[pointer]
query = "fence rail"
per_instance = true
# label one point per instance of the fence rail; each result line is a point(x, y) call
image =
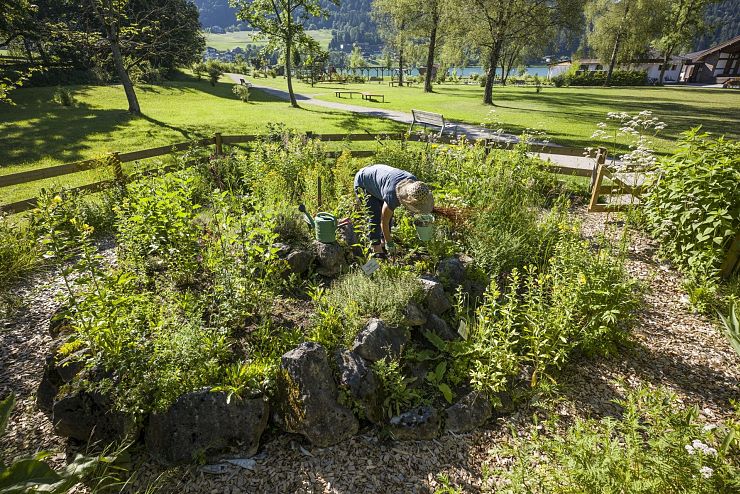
point(114, 160)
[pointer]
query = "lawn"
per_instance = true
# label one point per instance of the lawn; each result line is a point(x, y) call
point(229, 41)
point(38, 132)
point(567, 115)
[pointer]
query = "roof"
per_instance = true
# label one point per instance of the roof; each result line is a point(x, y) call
point(698, 55)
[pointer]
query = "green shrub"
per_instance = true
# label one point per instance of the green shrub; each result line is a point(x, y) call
point(241, 91)
point(580, 301)
point(619, 78)
point(19, 255)
point(656, 446)
point(693, 209)
point(346, 306)
point(156, 226)
point(64, 96)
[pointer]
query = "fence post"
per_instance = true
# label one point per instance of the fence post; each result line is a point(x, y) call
point(117, 168)
point(600, 160)
point(318, 184)
point(219, 144)
point(600, 171)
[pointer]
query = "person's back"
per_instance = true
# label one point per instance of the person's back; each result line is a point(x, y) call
point(380, 181)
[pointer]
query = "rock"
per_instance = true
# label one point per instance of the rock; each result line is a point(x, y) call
point(203, 423)
point(356, 375)
point(330, 258)
point(56, 374)
point(346, 233)
point(89, 416)
point(452, 271)
point(439, 326)
point(306, 401)
point(282, 249)
point(413, 315)
point(60, 323)
point(435, 298)
point(378, 341)
point(299, 261)
point(471, 411)
point(507, 405)
point(421, 423)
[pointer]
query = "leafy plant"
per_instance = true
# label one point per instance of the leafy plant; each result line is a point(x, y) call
point(731, 325)
point(241, 91)
point(398, 395)
point(656, 446)
point(33, 475)
point(436, 379)
point(693, 208)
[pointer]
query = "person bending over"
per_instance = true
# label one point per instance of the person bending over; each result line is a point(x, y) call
point(385, 188)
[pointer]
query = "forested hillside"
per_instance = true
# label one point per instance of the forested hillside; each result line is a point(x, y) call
point(350, 23)
point(724, 22)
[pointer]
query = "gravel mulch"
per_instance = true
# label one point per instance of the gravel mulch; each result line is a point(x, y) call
point(672, 347)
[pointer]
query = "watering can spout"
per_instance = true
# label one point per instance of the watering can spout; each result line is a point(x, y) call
point(307, 217)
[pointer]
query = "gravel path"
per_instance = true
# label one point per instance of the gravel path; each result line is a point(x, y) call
point(672, 347)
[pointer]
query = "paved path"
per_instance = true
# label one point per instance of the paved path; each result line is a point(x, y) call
point(469, 130)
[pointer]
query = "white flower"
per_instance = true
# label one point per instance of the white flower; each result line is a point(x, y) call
point(708, 427)
point(689, 449)
point(706, 472)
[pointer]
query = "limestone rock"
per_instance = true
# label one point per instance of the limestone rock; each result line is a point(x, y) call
point(88, 416)
point(378, 341)
point(436, 300)
point(413, 315)
point(356, 375)
point(330, 258)
point(299, 261)
point(56, 374)
point(421, 423)
point(439, 326)
point(471, 411)
point(203, 423)
point(307, 398)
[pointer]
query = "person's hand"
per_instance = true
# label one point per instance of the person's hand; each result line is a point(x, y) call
point(391, 248)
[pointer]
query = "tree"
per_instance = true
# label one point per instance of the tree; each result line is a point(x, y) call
point(392, 18)
point(492, 24)
point(282, 22)
point(681, 21)
point(355, 59)
point(621, 30)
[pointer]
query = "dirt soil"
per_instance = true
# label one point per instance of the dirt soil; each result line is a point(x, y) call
point(672, 347)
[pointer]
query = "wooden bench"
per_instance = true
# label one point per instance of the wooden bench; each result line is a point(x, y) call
point(373, 97)
point(245, 83)
point(427, 118)
point(404, 83)
point(339, 94)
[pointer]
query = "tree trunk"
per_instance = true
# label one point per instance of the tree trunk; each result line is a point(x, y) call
point(400, 67)
point(293, 101)
point(504, 73)
point(613, 60)
point(493, 58)
point(128, 86)
point(666, 57)
point(430, 55)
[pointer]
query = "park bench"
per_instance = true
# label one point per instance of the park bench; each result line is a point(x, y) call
point(429, 119)
point(245, 83)
point(339, 94)
point(404, 83)
point(373, 97)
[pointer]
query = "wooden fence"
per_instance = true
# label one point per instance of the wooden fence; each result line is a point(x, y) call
point(115, 160)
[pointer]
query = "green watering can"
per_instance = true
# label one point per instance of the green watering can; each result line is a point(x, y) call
point(324, 225)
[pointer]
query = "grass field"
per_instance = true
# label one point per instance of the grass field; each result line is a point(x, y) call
point(38, 133)
point(229, 41)
point(567, 115)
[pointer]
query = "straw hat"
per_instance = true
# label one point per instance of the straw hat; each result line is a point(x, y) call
point(415, 195)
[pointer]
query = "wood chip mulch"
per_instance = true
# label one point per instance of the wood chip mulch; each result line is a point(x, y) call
point(673, 347)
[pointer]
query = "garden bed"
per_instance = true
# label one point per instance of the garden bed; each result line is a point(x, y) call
point(669, 347)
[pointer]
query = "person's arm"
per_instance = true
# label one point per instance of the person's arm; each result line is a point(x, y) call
point(385, 222)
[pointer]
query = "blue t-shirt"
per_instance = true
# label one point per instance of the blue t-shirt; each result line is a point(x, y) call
point(380, 181)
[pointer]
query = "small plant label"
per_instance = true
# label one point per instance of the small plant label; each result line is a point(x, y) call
point(462, 330)
point(370, 267)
